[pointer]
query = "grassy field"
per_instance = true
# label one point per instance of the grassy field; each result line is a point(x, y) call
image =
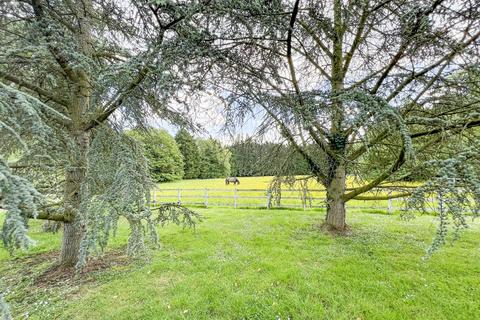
point(259, 264)
point(245, 183)
point(251, 192)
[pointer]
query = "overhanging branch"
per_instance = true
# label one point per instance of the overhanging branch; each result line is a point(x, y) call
point(383, 197)
point(375, 182)
point(41, 92)
point(457, 126)
point(118, 100)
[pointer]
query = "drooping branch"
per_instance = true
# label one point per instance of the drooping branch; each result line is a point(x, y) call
point(388, 173)
point(405, 44)
point(383, 197)
point(41, 92)
point(454, 127)
point(406, 110)
point(375, 182)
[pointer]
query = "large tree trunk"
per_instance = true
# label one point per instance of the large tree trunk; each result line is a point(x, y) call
point(335, 219)
point(80, 113)
point(72, 237)
point(75, 174)
point(74, 177)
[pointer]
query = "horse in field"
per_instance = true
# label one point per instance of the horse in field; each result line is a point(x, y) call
point(232, 179)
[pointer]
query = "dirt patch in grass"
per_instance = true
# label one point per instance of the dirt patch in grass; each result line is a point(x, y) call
point(45, 272)
point(328, 229)
point(37, 281)
point(57, 274)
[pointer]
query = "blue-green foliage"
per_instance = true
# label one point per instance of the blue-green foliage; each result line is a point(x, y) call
point(24, 130)
point(21, 200)
point(118, 185)
point(456, 187)
point(4, 309)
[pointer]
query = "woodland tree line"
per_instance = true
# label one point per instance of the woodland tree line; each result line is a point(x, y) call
point(185, 157)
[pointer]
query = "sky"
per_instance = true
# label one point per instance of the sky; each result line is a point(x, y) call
point(209, 113)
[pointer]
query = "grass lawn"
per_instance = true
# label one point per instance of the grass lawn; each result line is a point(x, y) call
point(259, 264)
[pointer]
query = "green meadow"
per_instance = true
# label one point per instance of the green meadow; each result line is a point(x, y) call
point(258, 264)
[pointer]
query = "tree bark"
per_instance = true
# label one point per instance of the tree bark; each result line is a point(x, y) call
point(335, 219)
point(335, 183)
point(75, 173)
point(72, 237)
point(74, 178)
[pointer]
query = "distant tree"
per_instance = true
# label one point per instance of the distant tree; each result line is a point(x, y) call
point(225, 156)
point(191, 154)
point(165, 160)
point(215, 160)
point(245, 158)
point(252, 158)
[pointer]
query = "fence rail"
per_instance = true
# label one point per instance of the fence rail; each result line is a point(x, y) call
point(261, 198)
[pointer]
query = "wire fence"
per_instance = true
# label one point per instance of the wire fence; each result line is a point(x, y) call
point(261, 198)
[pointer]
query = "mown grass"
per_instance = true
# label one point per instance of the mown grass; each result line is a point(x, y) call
point(259, 264)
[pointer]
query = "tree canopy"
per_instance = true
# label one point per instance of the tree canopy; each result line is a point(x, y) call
point(344, 82)
point(214, 161)
point(165, 160)
point(70, 79)
point(190, 152)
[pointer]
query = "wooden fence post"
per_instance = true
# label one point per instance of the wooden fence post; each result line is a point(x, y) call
point(206, 198)
point(304, 198)
point(390, 206)
point(154, 196)
point(269, 198)
point(179, 195)
point(235, 197)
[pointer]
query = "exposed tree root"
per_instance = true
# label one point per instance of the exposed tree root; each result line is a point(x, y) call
point(326, 228)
